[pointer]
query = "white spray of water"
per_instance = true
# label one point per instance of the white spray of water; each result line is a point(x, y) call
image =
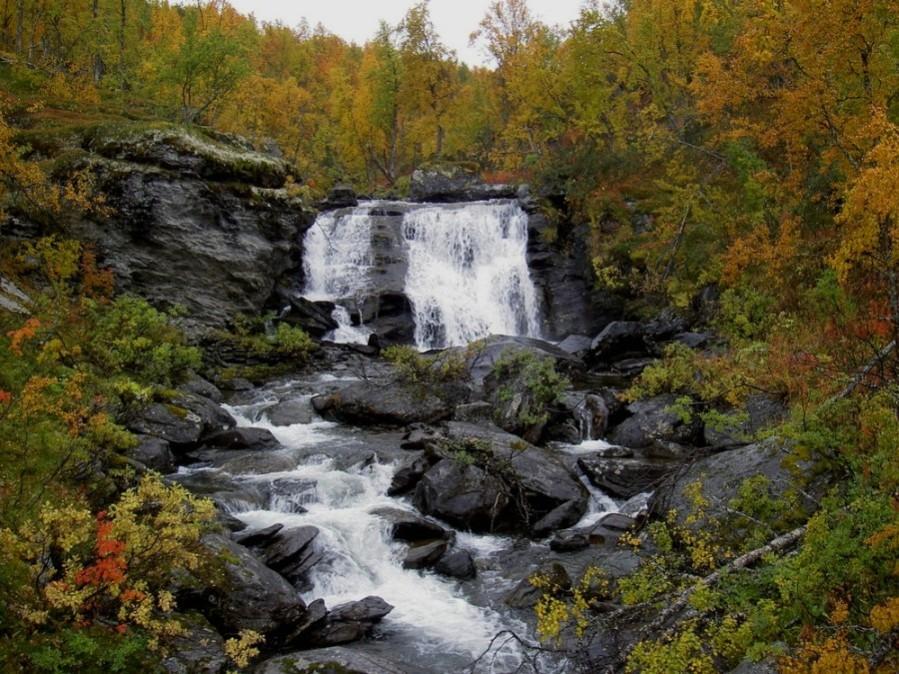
point(360, 557)
point(468, 275)
point(346, 332)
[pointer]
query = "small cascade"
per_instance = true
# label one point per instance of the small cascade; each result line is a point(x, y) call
point(346, 332)
point(432, 618)
point(468, 275)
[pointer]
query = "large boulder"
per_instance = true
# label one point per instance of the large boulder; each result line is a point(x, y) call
point(484, 354)
point(251, 596)
point(243, 438)
point(652, 421)
point(196, 221)
point(624, 475)
point(183, 421)
point(367, 403)
point(292, 553)
point(721, 476)
point(456, 564)
point(154, 453)
point(290, 412)
point(446, 183)
point(619, 340)
point(409, 527)
point(200, 649)
point(464, 495)
point(349, 622)
point(498, 481)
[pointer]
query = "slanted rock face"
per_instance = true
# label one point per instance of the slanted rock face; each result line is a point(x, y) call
point(194, 222)
point(253, 596)
point(509, 485)
point(721, 475)
point(366, 403)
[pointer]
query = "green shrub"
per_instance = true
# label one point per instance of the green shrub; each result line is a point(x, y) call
point(416, 368)
point(534, 376)
point(132, 338)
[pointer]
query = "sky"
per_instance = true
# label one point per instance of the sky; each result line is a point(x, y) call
point(357, 20)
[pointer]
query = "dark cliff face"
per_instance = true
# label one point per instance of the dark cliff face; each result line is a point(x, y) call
point(194, 221)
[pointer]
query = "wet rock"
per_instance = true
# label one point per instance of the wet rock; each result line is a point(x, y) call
point(258, 537)
point(252, 596)
point(464, 495)
point(569, 541)
point(154, 453)
point(243, 438)
point(456, 564)
point(350, 622)
point(314, 317)
point(229, 494)
point(626, 477)
point(249, 462)
point(537, 476)
point(366, 404)
point(655, 420)
point(418, 436)
point(406, 526)
point(576, 344)
point(618, 340)
point(617, 522)
point(405, 479)
point(424, 555)
point(175, 425)
point(288, 494)
point(314, 617)
point(526, 594)
point(292, 553)
point(199, 650)
point(198, 386)
point(561, 516)
point(290, 412)
point(334, 660)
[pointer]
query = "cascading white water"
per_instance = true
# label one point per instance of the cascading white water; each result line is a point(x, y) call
point(430, 613)
point(468, 275)
point(338, 256)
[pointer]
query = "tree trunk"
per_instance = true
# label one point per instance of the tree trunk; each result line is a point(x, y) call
point(99, 68)
point(20, 26)
point(438, 146)
point(123, 22)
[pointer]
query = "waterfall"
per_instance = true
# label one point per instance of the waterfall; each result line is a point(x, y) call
point(338, 257)
point(468, 275)
point(466, 268)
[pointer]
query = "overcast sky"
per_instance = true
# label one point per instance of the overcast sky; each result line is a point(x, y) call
point(357, 20)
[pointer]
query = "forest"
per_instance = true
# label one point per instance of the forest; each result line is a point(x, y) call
point(745, 151)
